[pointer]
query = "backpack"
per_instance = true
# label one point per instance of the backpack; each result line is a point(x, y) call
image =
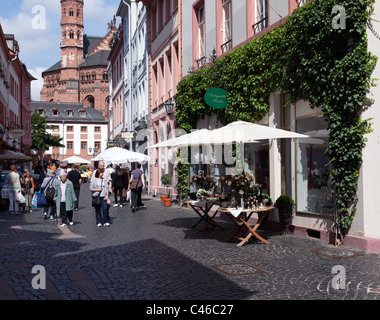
point(50, 191)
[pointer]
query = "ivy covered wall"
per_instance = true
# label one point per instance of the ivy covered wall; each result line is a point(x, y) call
point(310, 59)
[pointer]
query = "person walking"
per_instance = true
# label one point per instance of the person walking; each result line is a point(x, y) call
point(75, 177)
point(14, 188)
point(99, 187)
point(136, 175)
point(49, 181)
point(107, 178)
point(118, 185)
point(65, 197)
point(27, 189)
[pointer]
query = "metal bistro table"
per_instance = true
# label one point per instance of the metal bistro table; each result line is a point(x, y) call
point(240, 219)
point(202, 208)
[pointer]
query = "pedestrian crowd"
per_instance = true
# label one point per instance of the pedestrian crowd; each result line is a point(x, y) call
point(57, 190)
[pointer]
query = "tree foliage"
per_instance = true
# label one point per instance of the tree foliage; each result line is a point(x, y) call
point(41, 139)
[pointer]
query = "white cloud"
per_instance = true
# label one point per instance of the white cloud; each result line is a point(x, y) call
point(97, 14)
point(37, 84)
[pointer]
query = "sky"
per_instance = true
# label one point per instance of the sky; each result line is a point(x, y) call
point(36, 26)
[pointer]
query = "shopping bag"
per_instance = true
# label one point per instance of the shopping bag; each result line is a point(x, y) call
point(21, 199)
point(41, 199)
point(18, 196)
point(34, 200)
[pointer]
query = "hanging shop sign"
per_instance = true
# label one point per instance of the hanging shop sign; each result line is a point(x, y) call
point(216, 98)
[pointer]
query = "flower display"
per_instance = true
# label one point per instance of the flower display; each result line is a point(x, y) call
point(204, 182)
point(241, 185)
point(202, 193)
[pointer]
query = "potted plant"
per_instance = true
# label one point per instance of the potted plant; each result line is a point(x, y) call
point(265, 199)
point(165, 180)
point(167, 202)
point(285, 205)
point(201, 194)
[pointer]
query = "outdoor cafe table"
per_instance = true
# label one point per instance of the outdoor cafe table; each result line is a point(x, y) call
point(240, 219)
point(202, 208)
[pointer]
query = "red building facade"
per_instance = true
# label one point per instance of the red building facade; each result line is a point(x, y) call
point(80, 76)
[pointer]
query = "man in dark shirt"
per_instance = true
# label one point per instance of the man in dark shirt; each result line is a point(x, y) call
point(76, 179)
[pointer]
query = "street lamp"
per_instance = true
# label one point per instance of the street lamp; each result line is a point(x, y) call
point(169, 107)
point(142, 123)
point(94, 150)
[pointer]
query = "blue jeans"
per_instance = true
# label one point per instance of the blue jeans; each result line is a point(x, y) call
point(101, 212)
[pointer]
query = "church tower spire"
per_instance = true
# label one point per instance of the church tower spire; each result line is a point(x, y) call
point(71, 38)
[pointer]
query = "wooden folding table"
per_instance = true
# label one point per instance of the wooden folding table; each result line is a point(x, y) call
point(202, 208)
point(240, 219)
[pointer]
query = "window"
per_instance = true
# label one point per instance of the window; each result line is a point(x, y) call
point(55, 112)
point(261, 19)
point(227, 39)
point(97, 129)
point(83, 145)
point(83, 129)
point(69, 145)
point(312, 178)
point(301, 3)
point(201, 36)
point(55, 128)
point(41, 112)
point(71, 13)
point(82, 113)
point(97, 145)
point(69, 129)
point(69, 113)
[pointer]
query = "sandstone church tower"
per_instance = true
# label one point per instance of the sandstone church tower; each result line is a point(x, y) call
point(71, 43)
point(81, 74)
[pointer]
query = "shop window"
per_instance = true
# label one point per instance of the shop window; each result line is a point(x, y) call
point(227, 39)
point(301, 3)
point(313, 168)
point(261, 18)
point(201, 36)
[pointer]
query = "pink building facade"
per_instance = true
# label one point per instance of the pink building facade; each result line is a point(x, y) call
point(164, 52)
point(15, 98)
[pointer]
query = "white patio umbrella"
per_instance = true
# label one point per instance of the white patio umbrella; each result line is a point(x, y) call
point(75, 159)
point(241, 131)
point(193, 138)
point(238, 131)
point(117, 155)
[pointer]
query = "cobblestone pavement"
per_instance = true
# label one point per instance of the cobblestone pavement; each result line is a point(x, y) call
point(155, 254)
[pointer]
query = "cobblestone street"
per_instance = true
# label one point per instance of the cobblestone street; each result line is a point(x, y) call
point(154, 254)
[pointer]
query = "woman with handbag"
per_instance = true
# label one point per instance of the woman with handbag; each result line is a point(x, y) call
point(64, 198)
point(99, 187)
point(14, 189)
point(136, 185)
point(27, 189)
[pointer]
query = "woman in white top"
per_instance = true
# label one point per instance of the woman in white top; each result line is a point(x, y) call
point(14, 187)
point(99, 187)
